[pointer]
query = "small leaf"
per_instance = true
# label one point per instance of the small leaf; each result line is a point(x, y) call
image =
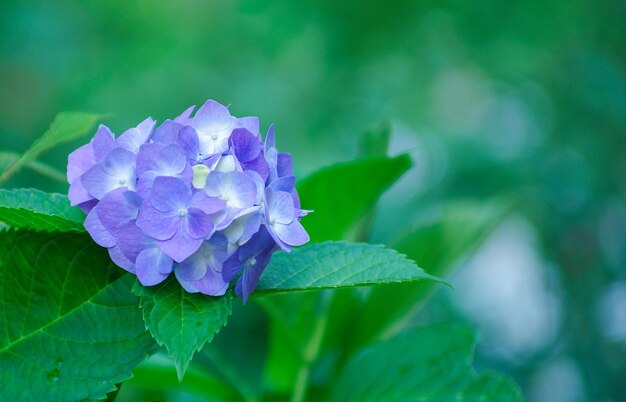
point(338, 264)
point(341, 194)
point(71, 328)
point(431, 363)
point(65, 127)
point(37, 210)
point(180, 320)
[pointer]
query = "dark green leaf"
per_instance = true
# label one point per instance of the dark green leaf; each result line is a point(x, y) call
point(37, 210)
point(180, 320)
point(431, 363)
point(65, 127)
point(71, 328)
point(338, 264)
point(341, 194)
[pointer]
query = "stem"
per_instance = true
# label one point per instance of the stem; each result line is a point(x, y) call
point(312, 348)
point(48, 171)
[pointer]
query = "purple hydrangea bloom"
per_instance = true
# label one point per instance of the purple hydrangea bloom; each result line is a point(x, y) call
point(202, 196)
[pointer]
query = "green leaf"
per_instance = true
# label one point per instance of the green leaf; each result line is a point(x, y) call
point(438, 247)
point(338, 264)
point(491, 387)
point(341, 194)
point(180, 320)
point(71, 328)
point(37, 210)
point(66, 126)
point(432, 363)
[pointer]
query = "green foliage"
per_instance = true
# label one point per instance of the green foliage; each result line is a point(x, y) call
point(438, 247)
point(36, 210)
point(337, 264)
point(71, 327)
point(155, 378)
point(65, 127)
point(182, 321)
point(432, 363)
point(341, 194)
point(375, 141)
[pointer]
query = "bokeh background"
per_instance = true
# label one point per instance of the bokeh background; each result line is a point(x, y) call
point(523, 101)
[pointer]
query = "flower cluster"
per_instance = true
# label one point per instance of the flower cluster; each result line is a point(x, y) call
point(203, 197)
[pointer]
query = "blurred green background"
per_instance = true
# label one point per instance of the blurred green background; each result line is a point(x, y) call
point(523, 101)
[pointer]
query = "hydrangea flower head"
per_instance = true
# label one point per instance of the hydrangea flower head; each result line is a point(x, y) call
point(201, 196)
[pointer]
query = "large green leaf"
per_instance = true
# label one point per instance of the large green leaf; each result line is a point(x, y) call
point(65, 127)
point(438, 247)
point(37, 210)
point(341, 194)
point(180, 320)
point(432, 363)
point(71, 328)
point(338, 264)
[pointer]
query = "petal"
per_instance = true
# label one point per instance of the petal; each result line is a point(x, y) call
point(133, 138)
point(97, 231)
point(203, 202)
point(244, 226)
point(157, 224)
point(258, 165)
point(78, 193)
point(119, 259)
point(293, 234)
point(286, 184)
point(199, 225)
point(170, 161)
point(280, 207)
point(170, 194)
point(231, 267)
point(270, 140)
point(193, 268)
point(120, 163)
point(180, 247)
point(184, 116)
point(79, 161)
point(167, 132)
point(210, 116)
point(97, 182)
point(118, 208)
point(212, 284)
point(103, 142)
point(152, 266)
point(132, 241)
point(245, 145)
point(284, 165)
point(251, 275)
point(145, 157)
point(188, 141)
point(250, 123)
point(243, 191)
